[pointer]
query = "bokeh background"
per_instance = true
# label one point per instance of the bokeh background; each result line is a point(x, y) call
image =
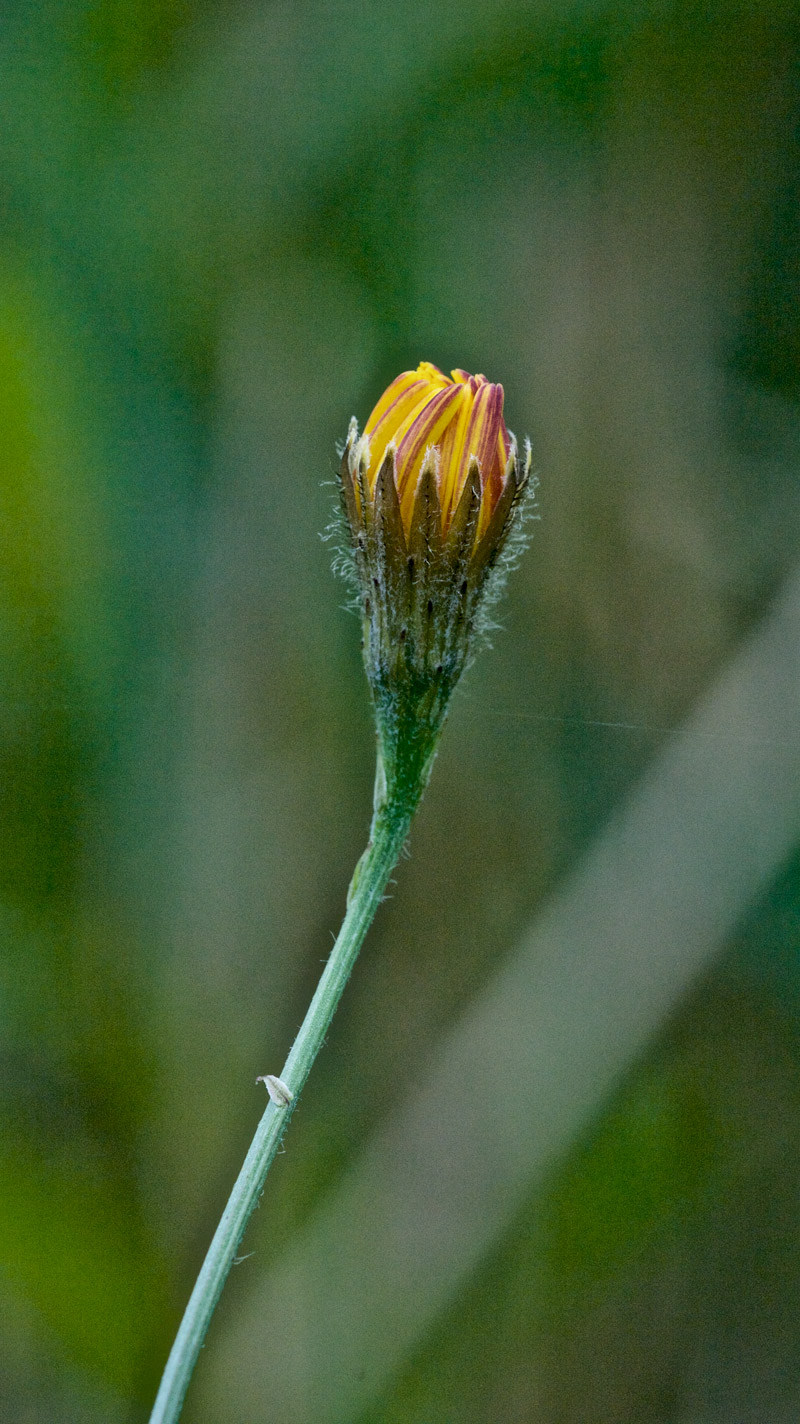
point(225, 228)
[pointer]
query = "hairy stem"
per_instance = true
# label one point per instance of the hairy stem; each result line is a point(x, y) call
point(389, 830)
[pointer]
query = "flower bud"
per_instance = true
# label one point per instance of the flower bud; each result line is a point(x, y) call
point(431, 492)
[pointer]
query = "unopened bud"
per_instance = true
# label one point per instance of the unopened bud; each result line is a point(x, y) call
point(431, 491)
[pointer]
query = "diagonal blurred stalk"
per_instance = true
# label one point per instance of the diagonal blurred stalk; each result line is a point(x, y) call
point(390, 827)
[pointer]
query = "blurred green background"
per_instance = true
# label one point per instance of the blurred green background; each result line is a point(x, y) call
point(225, 228)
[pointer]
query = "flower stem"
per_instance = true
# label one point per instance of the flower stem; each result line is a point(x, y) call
point(388, 833)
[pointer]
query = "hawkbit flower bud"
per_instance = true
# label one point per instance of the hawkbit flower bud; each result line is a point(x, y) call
point(431, 492)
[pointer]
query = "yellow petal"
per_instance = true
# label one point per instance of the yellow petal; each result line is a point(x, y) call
point(425, 429)
point(428, 372)
point(391, 416)
point(482, 440)
point(401, 385)
point(451, 481)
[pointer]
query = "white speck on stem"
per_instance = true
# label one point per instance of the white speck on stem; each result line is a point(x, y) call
point(280, 1094)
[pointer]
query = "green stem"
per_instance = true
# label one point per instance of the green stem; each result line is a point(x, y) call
point(389, 830)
